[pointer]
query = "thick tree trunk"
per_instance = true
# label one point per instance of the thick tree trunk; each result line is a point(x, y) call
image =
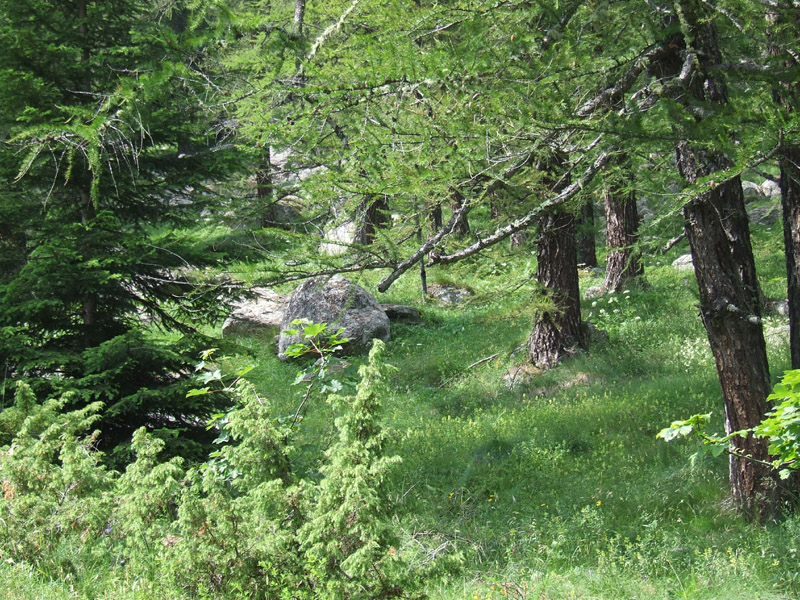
point(373, 216)
point(790, 199)
point(557, 333)
point(622, 223)
point(717, 229)
point(585, 235)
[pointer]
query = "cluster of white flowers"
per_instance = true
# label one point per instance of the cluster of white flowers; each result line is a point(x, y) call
point(616, 312)
point(695, 352)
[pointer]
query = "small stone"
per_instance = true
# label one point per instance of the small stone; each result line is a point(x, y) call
point(447, 293)
point(401, 313)
point(593, 292)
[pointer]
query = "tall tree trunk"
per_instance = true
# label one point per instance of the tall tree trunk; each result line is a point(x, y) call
point(557, 333)
point(622, 223)
point(716, 223)
point(790, 200)
point(461, 227)
point(84, 184)
point(717, 229)
point(585, 235)
point(787, 18)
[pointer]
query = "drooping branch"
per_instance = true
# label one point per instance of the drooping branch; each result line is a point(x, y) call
point(523, 222)
point(424, 249)
point(500, 234)
point(599, 101)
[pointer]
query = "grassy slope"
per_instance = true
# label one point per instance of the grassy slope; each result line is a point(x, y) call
point(559, 488)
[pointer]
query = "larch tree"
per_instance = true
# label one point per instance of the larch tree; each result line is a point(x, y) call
point(623, 264)
point(717, 228)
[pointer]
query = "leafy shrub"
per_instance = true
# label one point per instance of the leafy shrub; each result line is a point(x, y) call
point(240, 524)
point(55, 491)
point(781, 427)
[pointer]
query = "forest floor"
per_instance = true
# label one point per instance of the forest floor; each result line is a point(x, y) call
point(557, 487)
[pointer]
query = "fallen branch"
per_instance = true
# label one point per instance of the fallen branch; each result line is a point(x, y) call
point(483, 360)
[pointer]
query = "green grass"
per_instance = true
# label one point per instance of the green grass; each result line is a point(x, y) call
point(560, 489)
point(557, 489)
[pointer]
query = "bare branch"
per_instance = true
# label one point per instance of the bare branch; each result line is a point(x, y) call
point(424, 249)
point(524, 222)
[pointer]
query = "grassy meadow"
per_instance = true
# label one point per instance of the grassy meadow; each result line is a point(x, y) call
point(555, 488)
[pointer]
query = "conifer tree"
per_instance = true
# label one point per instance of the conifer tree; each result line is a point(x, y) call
point(104, 150)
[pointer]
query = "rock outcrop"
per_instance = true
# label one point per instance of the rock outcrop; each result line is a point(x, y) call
point(260, 315)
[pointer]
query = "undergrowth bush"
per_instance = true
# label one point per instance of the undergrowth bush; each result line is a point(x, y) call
point(240, 525)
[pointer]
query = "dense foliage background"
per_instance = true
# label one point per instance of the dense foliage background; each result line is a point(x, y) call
point(158, 158)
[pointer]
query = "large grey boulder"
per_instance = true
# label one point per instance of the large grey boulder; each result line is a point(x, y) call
point(340, 303)
point(771, 189)
point(260, 315)
point(683, 263)
point(752, 191)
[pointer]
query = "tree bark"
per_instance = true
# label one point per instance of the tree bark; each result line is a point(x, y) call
point(585, 235)
point(622, 223)
point(435, 216)
point(715, 224)
point(717, 229)
point(790, 200)
point(373, 216)
point(299, 17)
point(557, 333)
point(786, 96)
point(461, 228)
